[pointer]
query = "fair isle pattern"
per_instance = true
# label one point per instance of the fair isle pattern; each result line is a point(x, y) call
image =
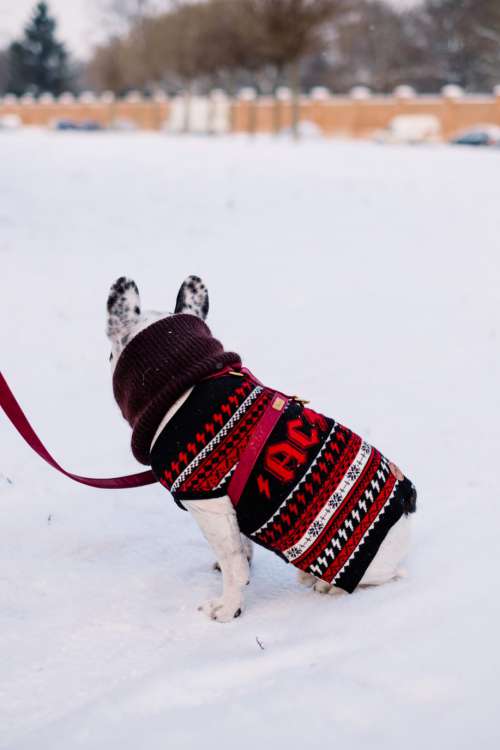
point(339, 453)
point(221, 434)
point(336, 498)
point(350, 534)
point(318, 495)
point(196, 458)
point(364, 539)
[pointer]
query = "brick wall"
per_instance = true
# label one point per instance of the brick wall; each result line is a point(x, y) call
point(356, 116)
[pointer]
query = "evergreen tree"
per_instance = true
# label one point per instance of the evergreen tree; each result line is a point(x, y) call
point(38, 63)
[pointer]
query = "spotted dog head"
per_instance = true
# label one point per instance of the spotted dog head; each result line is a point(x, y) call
point(126, 318)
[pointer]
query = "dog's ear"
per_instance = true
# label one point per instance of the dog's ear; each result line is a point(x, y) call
point(193, 298)
point(124, 307)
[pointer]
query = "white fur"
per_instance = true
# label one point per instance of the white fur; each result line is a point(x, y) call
point(219, 525)
point(217, 518)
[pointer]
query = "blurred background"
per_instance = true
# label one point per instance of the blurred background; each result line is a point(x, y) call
point(334, 67)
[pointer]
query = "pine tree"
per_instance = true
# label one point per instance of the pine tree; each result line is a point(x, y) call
point(38, 63)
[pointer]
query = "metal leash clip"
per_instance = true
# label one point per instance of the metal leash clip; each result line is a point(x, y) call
point(301, 401)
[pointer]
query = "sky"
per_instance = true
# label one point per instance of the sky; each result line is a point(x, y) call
point(82, 23)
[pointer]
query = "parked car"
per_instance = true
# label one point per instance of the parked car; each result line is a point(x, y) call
point(86, 125)
point(479, 135)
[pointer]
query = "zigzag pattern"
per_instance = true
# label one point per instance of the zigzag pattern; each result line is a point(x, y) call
point(343, 546)
point(224, 454)
point(355, 506)
point(312, 492)
point(221, 423)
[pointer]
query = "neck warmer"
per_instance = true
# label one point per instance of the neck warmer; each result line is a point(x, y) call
point(158, 366)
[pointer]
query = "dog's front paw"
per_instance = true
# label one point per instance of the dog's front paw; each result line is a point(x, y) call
point(221, 610)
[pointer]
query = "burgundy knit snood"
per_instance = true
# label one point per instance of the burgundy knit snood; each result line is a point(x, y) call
point(158, 366)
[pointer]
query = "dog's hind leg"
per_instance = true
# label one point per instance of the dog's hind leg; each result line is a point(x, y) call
point(218, 522)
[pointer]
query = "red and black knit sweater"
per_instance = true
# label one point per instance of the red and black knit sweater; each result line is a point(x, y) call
point(319, 496)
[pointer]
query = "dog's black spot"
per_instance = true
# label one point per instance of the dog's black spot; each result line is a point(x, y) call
point(131, 285)
point(137, 310)
point(119, 290)
point(237, 613)
point(112, 299)
point(111, 356)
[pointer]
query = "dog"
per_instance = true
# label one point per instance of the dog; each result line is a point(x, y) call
point(315, 492)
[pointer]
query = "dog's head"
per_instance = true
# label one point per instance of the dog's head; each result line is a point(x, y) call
point(126, 318)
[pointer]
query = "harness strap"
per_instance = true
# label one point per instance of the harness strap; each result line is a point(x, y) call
point(20, 422)
point(260, 434)
point(249, 457)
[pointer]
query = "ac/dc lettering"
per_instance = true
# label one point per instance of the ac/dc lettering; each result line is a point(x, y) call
point(284, 459)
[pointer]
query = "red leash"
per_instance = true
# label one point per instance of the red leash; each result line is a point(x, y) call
point(18, 419)
point(268, 421)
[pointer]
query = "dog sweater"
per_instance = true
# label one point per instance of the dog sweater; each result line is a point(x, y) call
point(319, 496)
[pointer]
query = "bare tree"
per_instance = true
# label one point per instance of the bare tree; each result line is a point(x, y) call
point(370, 46)
point(229, 38)
point(121, 15)
point(108, 68)
point(290, 30)
point(263, 42)
point(463, 39)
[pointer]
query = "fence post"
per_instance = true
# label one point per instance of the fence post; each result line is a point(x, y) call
point(319, 98)
point(359, 95)
point(496, 93)
point(247, 102)
point(282, 96)
point(451, 95)
point(160, 104)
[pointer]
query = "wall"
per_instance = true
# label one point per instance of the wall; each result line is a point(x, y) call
point(356, 116)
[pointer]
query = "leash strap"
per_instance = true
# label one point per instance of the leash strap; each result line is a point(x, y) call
point(20, 422)
point(238, 481)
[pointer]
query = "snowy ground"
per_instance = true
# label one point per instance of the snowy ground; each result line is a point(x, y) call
point(365, 278)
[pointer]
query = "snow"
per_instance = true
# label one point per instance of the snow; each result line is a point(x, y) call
point(362, 277)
